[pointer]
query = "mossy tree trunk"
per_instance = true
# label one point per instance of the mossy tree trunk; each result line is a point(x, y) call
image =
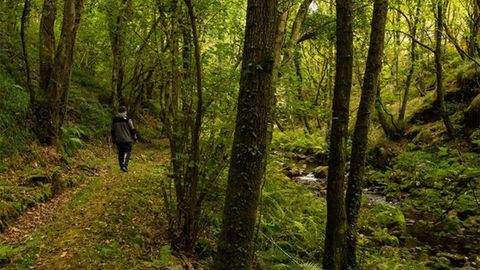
point(55, 69)
point(236, 247)
point(334, 255)
point(360, 136)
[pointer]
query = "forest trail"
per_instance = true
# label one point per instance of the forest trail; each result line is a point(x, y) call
point(111, 215)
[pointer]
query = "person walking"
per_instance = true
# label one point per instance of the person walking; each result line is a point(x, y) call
point(123, 135)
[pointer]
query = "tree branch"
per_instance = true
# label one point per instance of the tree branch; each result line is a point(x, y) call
point(413, 39)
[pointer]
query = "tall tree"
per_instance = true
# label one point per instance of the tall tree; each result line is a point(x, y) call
point(236, 248)
point(336, 215)
point(55, 69)
point(440, 100)
point(413, 26)
point(117, 35)
point(360, 136)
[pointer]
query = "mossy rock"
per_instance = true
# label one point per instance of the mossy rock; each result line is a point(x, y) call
point(383, 238)
point(381, 156)
point(389, 217)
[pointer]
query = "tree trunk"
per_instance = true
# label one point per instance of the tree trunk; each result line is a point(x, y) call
point(26, 59)
point(360, 136)
point(47, 42)
point(236, 247)
point(298, 72)
point(118, 61)
point(440, 101)
point(190, 226)
point(413, 59)
point(386, 120)
point(336, 215)
point(55, 69)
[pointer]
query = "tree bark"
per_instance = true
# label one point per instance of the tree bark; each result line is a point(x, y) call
point(360, 136)
point(118, 61)
point(336, 215)
point(55, 73)
point(440, 101)
point(413, 59)
point(236, 247)
point(190, 226)
point(26, 59)
point(47, 42)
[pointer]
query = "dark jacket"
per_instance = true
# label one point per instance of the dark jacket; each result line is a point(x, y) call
point(123, 130)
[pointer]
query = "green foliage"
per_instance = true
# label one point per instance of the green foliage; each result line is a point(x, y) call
point(5, 253)
point(292, 222)
point(14, 130)
point(72, 139)
point(299, 142)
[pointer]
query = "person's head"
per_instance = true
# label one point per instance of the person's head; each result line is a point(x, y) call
point(122, 109)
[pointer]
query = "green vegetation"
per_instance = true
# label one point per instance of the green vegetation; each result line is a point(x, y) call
point(179, 67)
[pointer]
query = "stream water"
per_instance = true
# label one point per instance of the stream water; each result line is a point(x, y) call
point(310, 180)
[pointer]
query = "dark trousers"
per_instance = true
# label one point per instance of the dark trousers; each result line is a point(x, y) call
point(124, 152)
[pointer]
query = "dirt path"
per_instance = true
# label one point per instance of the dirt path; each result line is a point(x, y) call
point(113, 220)
point(36, 217)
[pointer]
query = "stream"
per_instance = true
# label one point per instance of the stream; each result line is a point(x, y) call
point(311, 172)
point(319, 187)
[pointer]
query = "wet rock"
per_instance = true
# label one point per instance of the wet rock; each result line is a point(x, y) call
point(293, 172)
point(321, 172)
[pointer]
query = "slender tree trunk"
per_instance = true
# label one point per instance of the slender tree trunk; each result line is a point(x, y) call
point(118, 64)
point(413, 59)
point(298, 72)
point(26, 59)
point(336, 215)
point(190, 229)
point(440, 101)
point(360, 136)
point(236, 247)
point(277, 52)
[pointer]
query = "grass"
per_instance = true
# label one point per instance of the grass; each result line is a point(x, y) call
point(115, 222)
